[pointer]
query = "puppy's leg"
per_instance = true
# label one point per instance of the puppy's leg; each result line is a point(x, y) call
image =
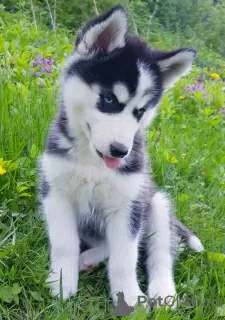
point(92, 257)
point(64, 241)
point(123, 254)
point(160, 257)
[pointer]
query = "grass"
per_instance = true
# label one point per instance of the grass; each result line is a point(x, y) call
point(187, 148)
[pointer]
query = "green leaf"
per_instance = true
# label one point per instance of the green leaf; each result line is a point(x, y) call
point(11, 166)
point(16, 299)
point(34, 151)
point(220, 311)
point(22, 188)
point(24, 194)
point(182, 196)
point(2, 225)
point(216, 256)
point(6, 294)
point(36, 295)
point(14, 206)
point(3, 254)
point(16, 289)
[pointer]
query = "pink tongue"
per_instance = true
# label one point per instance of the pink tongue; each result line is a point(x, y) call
point(111, 163)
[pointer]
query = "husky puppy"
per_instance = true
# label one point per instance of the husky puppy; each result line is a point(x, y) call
point(96, 189)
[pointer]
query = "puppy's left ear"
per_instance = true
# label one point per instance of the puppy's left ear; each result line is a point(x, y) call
point(174, 65)
point(103, 34)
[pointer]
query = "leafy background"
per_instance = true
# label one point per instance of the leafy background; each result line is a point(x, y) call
point(186, 145)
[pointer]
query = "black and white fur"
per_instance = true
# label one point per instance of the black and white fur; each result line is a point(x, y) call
point(111, 87)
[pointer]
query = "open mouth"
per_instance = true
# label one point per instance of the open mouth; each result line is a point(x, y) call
point(110, 162)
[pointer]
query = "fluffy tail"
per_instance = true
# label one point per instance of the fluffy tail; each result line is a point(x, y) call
point(186, 235)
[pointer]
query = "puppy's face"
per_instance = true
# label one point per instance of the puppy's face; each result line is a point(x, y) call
point(114, 82)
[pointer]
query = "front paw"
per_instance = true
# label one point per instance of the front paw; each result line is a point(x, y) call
point(162, 292)
point(67, 270)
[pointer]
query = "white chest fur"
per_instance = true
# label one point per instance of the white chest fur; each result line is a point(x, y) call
point(91, 183)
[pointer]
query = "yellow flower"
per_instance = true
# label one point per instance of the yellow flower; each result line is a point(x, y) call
point(2, 171)
point(181, 97)
point(215, 76)
point(171, 159)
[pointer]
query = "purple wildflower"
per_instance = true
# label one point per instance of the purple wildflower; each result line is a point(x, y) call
point(38, 60)
point(222, 111)
point(48, 61)
point(39, 57)
point(197, 87)
point(42, 65)
point(47, 68)
point(36, 63)
point(38, 73)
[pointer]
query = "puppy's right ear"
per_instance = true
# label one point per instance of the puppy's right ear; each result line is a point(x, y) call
point(103, 34)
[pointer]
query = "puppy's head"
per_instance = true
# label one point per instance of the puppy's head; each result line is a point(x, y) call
point(113, 83)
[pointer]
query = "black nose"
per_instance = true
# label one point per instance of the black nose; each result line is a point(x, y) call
point(118, 150)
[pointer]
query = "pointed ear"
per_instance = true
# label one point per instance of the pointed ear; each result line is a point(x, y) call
point(103, 34)
point(174, 65)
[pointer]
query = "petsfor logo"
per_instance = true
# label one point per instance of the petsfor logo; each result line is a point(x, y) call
point(123, 309)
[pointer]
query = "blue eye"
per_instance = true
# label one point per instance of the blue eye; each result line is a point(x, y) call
point(108, 100)
point(108, 103)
